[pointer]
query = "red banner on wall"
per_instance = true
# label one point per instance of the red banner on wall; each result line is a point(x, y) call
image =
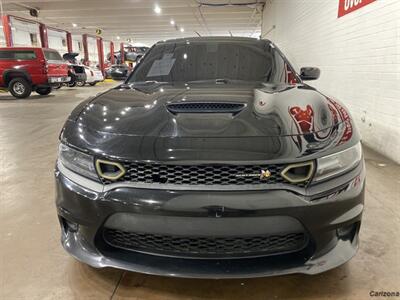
point(348, 6)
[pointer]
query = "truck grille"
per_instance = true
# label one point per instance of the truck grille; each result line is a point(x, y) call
point(206, 246)
point(208, 175)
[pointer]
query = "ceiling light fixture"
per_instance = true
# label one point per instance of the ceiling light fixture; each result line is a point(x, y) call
point(182, 29)
point(118, 37)
point(157, 9)
point(74, 25)
point(172, 22)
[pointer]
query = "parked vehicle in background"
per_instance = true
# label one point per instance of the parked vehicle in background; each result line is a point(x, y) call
point(27, 69)
point(93, 76)
point(118, 72)
point(76, 71)
point(132, 54)
point(77, 74)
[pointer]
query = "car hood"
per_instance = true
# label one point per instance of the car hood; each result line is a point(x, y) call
point(274, 118)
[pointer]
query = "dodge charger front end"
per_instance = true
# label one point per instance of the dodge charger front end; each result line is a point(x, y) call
point(213, 160)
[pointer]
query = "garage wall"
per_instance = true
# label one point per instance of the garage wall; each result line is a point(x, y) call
point(57, 40)
point(93, 51)
point(25, 33)
point(77, 47)
point(2, 38)
point(358, 54)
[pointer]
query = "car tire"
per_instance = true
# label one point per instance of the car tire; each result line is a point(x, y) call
point(92, 83)
point(20, 87)
point(44, 91)
point(57, 86)
point(80, 83)
point(72, 84)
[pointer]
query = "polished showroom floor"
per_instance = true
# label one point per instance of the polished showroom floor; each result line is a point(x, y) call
point(34, 266)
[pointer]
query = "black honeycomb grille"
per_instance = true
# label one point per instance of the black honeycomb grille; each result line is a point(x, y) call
point(209, 175)
point(206, 246)
point(205, 107)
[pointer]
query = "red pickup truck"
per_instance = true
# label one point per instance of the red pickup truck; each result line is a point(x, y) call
point(27, 69)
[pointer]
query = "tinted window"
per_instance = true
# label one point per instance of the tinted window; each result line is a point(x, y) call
point(17, 54)
point(210, 60)
point(52, 55)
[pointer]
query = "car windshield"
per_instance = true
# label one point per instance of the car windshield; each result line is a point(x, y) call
point(199, 61)
point(52, 55)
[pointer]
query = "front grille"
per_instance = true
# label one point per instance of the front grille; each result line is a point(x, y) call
point(209, 175)
point(205, 107)
point(206, 246)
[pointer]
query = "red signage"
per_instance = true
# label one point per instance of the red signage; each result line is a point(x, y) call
point(347, 6)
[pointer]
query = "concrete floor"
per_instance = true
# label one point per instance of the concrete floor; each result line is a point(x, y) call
point(33, 264)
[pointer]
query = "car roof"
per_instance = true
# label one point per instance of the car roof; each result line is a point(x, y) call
point(215, 39)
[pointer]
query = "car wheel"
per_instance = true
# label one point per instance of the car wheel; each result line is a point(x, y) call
point(20, 87)
point(72, 84)
point(57, 86)
point(80, 83)
point(92, 83)
point(44, 91)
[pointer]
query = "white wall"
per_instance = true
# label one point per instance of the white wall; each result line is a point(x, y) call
point(2, 38)
point(57, 40)
point(77, 46)
point(358, 54)
point(23, 32)
point(92, 49)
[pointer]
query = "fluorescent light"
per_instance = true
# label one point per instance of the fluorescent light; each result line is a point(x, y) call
point(118, 37)
point(74, 25)
point(157, 9)
point(172, 22)
point(182, 29)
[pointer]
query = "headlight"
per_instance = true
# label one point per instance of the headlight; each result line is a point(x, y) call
point(338, 163)
point(77, 161)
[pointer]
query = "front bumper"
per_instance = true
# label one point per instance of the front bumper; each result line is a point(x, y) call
point(326, 213)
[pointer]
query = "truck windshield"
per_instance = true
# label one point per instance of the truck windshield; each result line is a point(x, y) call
point(196, 61)
point(52, 55)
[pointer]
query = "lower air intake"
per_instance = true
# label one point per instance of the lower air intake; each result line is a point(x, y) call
point(191, 246)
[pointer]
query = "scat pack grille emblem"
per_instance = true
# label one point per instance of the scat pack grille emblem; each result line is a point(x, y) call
point(263, 175)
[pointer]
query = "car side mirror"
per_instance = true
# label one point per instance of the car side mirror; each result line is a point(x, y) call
point(309, 73)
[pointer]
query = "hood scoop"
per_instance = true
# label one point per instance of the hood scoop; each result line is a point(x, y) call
point(205, 107)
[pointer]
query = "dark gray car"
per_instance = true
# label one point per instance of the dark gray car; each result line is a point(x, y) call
point(213, 160)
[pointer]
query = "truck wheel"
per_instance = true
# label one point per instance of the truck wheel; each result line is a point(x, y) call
point(44, 91)
point(20, 88)
point(80, 83)
point(92, 83)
